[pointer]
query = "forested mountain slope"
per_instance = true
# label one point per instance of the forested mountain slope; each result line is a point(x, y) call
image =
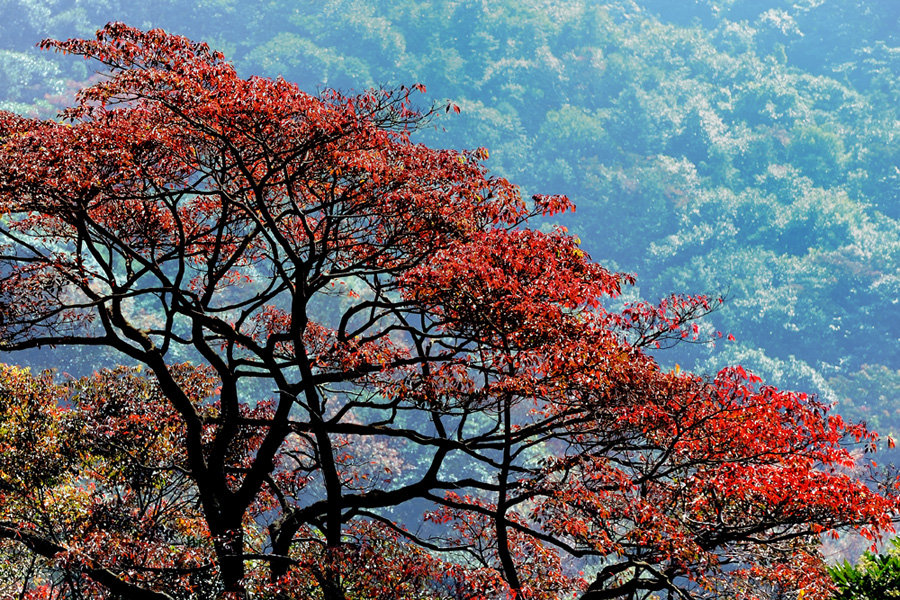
point(729, 146)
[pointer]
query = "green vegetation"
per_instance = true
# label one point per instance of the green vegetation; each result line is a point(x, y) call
point(875, 577)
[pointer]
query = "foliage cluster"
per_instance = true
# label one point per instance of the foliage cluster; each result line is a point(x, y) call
point(875, 577)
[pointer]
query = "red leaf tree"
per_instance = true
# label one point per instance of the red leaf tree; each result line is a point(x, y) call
point(361, 375)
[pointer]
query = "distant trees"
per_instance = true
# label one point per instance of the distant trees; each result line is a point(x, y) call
point(361, 374)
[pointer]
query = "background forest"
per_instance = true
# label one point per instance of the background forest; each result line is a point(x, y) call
point(743, 147)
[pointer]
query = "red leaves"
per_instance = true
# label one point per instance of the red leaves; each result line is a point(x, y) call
point(503, 281)
point(738, 457)
point(552, 204)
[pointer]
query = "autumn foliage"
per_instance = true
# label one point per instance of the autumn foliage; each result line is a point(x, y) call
point(361, 375)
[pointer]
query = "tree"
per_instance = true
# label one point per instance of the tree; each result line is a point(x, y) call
point(361, 374)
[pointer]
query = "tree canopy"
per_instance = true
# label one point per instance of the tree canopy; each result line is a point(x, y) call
point(742, 147)
point(361, 374)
